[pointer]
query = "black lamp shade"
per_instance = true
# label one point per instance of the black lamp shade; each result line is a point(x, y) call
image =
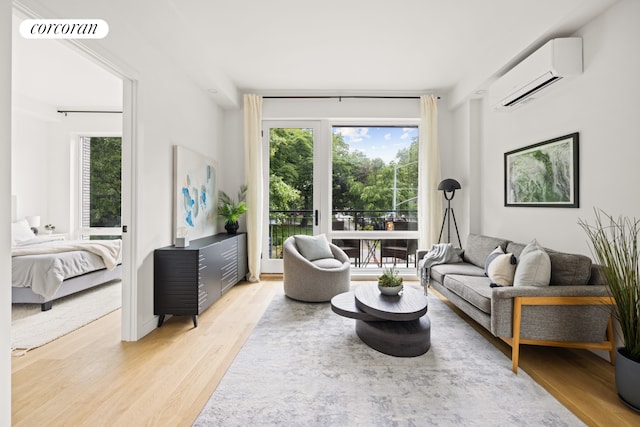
point(449, 185)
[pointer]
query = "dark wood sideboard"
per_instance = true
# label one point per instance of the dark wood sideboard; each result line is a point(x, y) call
point(186, 281)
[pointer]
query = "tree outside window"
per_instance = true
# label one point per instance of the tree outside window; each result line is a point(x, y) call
point(101, 182)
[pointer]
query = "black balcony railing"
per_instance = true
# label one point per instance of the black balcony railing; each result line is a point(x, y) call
point(283, 224)
point(359, 220)
point(364, 252)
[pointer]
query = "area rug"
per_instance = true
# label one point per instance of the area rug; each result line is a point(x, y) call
point(32, 328)
point(305, 365)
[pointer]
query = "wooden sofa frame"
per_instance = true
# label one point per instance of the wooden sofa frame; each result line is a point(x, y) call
point(515, 341)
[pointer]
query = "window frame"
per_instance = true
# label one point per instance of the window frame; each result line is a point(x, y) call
point(80, 231)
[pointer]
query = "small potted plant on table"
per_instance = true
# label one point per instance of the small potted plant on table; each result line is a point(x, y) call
point(390, 283)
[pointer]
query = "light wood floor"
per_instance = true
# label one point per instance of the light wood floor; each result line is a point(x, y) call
point(91, 378)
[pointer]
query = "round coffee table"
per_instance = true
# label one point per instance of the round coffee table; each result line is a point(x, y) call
point(394, 325)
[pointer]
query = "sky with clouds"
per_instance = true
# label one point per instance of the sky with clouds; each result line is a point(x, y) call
point(378, 142)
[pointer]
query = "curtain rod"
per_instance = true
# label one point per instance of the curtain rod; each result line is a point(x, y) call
point(65, 112)
point(343, 96)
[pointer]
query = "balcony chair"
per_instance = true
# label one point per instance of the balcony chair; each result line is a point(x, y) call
point(402, 249)
point(351, 247)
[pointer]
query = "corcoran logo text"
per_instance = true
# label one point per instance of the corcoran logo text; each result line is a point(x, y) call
point(64, 28)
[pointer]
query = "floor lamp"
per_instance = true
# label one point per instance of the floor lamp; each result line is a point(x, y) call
point(449, 187)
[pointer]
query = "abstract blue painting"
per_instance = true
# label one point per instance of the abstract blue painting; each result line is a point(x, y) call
point(195, 190)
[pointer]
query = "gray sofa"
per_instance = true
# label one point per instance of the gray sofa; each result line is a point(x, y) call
point(567, 313)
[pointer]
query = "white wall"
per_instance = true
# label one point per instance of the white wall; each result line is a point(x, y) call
point(347, 108)
point(29, 154)
point(176, 114)
point(602, 105)
point(44, 162)
point(5, 212)
point(231, 153)
point(465, 167)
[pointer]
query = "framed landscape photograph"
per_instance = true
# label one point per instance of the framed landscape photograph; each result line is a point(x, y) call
point(543, 174)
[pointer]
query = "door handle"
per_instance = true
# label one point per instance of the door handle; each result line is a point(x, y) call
point(316, 217)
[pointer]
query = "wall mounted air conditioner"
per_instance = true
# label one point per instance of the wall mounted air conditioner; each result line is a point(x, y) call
point(558, 58)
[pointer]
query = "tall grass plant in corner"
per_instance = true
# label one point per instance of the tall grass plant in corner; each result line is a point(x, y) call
point(614, 244)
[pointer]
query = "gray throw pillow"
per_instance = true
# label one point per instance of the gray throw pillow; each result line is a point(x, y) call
point(313, 247)
point(534, 266)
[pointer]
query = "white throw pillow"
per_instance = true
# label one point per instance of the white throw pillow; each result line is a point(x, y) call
point(501, 270)
point(534, 266)
point(313, 247)
point(493, 255)
point(20, 231)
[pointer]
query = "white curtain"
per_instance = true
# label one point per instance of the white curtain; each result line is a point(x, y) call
point(429, 198)
point(253, 177)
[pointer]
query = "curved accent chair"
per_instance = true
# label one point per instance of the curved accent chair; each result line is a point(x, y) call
point(317, 280)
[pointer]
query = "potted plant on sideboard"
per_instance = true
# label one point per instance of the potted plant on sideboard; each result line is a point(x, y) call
point(615, 247)
point(231, 210)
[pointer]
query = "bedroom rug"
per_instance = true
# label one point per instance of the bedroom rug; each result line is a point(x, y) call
point(32, 328)
point(305, 365)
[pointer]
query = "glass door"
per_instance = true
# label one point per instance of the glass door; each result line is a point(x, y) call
point(374, 195)
point(356, 183)
point(292, 150)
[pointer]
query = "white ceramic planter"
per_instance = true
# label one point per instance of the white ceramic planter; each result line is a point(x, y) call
point(387, 290)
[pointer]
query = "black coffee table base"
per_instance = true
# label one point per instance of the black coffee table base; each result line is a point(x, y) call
point(401, 339)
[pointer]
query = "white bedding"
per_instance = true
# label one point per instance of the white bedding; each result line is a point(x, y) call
point(43, 238)
point(44, 266)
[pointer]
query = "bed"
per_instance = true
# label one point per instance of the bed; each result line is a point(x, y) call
point(45, 268)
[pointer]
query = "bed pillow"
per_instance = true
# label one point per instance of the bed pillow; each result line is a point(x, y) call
point(20, 231)
point(534, 266)
point(313, 247)
point(39, 239)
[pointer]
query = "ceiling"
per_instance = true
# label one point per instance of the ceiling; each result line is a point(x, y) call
point(50, 73)
point(453, 47)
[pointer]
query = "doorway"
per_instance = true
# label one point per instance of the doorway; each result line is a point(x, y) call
point(39, 116)
point(293, 185)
